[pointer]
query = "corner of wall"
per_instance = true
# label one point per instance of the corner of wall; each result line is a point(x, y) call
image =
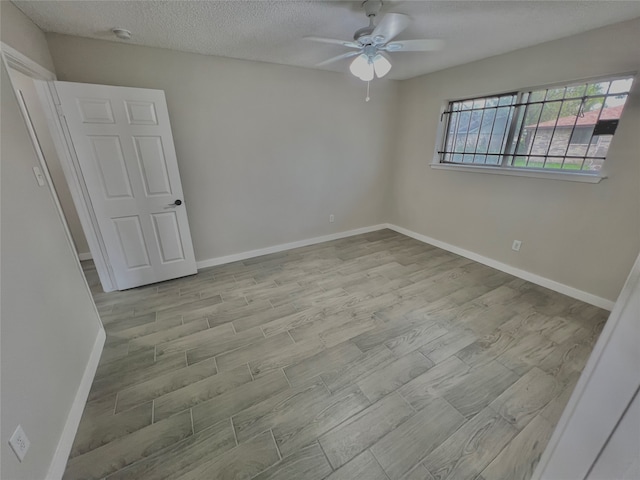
point(19, 31)
point(387, 213)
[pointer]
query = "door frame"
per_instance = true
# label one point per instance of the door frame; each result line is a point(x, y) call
point(14, 60)
point(43, 80)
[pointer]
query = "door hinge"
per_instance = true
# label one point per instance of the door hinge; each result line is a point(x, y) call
point(59, 110)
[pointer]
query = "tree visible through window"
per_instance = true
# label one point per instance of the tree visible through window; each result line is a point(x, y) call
point(562, 128)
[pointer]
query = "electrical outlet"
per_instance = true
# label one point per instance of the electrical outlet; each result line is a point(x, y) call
point(516, 245)
point(19, 443)
point(331, 218)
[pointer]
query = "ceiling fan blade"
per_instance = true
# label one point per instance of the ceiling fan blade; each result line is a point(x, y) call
point(422, 45)
point(334, 41)
point(390, 26)
point(339, 57)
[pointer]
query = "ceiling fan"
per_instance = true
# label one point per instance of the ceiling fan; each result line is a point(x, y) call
point(373, 43)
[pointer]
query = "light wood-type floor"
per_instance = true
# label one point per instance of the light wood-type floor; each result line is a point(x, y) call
point(371, 357)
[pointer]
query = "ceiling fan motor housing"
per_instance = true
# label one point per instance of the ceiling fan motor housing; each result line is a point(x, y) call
point(371, 8)
point(364, 34)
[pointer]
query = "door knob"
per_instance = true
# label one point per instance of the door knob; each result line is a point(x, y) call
point(176, 203)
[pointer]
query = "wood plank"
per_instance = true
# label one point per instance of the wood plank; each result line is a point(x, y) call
point(240, 463)
point(120, 453)
point(323, 362)
point(363, 467)
point(389, 378)
point(360, 367)
point(393, 324)
point(183, 456)
point(219, 345)
point(420, 391)
point(147, 328)
point(525, 398)
point(168, 334)
point(303, 429)
point(308, 463)
point(252, 351)
point(471, 448)
point(449, 344)
point(420, 473)
point(290, 355)
point(290, 406)
point(94, 432)
point(362, 430)
point(478, 387)
point(403, 448)
point(132, 374)
point(415, 338)
point(201, 391)
point(217, 335)
point(486, 349)
point(163, 384)
point(530, 350)
point(263, 317)
point(520, 457)
point(233, 401)
point(556, 406)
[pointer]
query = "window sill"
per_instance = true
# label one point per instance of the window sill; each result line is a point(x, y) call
point(520, 172)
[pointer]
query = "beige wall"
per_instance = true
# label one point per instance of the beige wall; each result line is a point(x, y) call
point(49, 324)
point(19, 32)
point(266, 152)
point(582, 235)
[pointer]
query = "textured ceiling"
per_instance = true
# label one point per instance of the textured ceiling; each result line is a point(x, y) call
point(273, 31)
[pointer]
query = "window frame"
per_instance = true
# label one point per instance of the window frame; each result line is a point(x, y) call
point(502, 167)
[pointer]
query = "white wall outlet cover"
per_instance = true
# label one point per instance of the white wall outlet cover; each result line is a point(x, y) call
point(516, 245)
point(19, 443)
point(331, 218)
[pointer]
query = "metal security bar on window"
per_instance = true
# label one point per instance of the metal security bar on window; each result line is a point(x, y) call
point(477, 129)
point(566, 128)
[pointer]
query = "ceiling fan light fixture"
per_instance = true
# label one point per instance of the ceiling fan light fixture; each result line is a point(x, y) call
point(362, 68)
point(381, 65)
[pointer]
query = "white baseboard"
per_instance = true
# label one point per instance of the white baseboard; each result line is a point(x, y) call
point(236, 257)
point(517, 272)
point(85, 256)
point(59, 461)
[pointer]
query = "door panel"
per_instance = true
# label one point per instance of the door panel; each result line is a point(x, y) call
point(94, 110)
point(168, 236)
point(108, 156)
point(132, 241)
point(141, 113)
point(153, 165)
point(122, 139)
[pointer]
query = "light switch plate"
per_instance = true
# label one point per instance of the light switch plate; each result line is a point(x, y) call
point(39, 176)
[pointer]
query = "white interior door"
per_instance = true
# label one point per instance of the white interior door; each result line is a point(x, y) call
point(123, 142)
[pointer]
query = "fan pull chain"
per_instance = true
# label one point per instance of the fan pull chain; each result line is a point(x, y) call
point(368, 97)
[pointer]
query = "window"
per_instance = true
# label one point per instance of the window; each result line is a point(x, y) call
point(566, 128)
